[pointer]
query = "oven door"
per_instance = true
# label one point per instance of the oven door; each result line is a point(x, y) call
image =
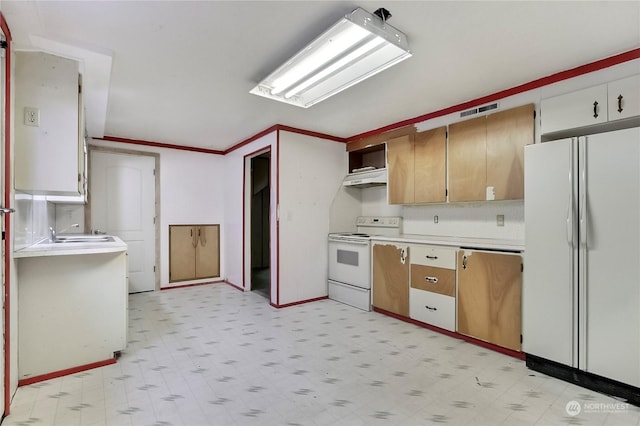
point(349, 262)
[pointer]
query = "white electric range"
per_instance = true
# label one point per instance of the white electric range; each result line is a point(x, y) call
point(350, 259)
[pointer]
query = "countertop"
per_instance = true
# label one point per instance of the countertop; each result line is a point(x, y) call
point(67, 249)
point(463, 242)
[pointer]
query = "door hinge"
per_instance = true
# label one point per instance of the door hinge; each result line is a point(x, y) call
point(154, 172)
point(521, 339)
point(154, 220)
point(3, 235)
point(154, 270)
point(522, 267)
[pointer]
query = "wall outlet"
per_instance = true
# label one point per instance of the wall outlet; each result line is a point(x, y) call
point(31, 116)
point(435, 219)
point(500, 220)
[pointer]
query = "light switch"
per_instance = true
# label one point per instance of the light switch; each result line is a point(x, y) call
point(31, 116)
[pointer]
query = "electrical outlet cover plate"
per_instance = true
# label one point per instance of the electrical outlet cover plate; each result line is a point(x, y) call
point(31, 116)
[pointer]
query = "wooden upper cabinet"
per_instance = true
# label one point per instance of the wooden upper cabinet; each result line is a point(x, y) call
point(486, 155)
point(508, 132)
point(400, 169)
point(430, 159)
point(467, 160)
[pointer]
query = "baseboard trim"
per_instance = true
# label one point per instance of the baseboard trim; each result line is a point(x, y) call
point(618, 390)
point(65, 372)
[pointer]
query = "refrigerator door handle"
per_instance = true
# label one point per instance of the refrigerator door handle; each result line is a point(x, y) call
point(583, 193)
point(570, 212)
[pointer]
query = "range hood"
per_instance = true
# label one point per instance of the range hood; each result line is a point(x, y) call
point(366, 178)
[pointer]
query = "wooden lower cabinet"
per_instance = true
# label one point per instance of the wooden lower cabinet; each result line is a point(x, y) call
point(194, 252)
point(489, 297)
point(391, 278)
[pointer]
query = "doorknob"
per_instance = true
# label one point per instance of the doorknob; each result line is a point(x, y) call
point(4, 210)
point(99, 232)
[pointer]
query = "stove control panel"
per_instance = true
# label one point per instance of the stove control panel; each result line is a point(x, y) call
point(380, 221)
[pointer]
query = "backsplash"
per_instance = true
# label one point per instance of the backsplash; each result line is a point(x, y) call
point(476, 220)
point(34, 215)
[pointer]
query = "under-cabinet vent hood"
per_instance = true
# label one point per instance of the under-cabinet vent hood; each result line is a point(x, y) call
point(366, 178)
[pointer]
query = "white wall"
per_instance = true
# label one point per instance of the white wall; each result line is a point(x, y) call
point(192, 190)
point(311, 172)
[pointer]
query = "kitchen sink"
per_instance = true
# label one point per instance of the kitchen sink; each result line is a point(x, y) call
point(83, 239)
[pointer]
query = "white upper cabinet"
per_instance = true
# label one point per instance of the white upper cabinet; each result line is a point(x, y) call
point(576, 109)
point(624, 98)
point(47, 159)
point(594, 105)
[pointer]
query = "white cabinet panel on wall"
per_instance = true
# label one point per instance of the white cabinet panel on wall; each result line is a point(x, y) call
point(46, 124)
point(624, 98)
point(577, 109)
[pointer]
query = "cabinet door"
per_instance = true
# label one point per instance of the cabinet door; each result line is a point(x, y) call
point(467, 160)
point(208, 251)
point(401, 170)
point(182, 243)
point(508, 132)
point(430, 160)
point(577, 109)
point(489, 297)
point(391, 278)
point(624, 98)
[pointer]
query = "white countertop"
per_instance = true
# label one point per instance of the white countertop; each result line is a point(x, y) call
point(466, 242)
point(66, 249)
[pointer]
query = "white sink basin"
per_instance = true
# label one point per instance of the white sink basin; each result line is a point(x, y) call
point(83, 239)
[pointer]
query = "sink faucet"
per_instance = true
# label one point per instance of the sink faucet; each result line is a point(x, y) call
point(52, 232)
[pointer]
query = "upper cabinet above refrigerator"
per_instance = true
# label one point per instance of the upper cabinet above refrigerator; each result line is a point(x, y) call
point(601, 104)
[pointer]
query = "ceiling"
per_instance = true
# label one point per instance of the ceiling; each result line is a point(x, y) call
point(179, 72)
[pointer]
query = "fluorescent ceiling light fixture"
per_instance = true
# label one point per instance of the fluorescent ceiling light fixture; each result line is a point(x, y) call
point(357, 47)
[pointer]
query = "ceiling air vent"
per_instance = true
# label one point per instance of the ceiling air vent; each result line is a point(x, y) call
point(478, 110)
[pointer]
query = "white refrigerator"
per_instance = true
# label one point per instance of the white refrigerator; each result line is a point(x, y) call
point(581, 288)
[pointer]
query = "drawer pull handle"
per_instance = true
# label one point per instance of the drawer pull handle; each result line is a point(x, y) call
point(595, 109)
point(431, 279)
point(432, 257)
point(430, 308)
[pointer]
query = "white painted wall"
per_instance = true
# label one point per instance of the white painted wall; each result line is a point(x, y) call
point(311, 171)
point(192, 188)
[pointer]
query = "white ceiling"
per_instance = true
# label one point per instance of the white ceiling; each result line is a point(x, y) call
point(181, 71)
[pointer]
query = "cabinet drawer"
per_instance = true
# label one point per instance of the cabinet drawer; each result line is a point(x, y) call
point(438, 257)
point(436, 280)
point(432, 308)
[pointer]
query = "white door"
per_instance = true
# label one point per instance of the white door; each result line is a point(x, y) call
point(123, 204)
point(548, 293)
point(612, 255)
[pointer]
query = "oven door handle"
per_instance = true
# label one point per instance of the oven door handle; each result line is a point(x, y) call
point(358, 242)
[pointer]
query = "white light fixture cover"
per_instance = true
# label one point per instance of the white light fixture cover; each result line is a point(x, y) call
point(355, 48)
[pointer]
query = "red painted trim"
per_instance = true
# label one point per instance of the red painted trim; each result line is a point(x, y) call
point(276, 127)
point(191, 285)
point(487, 345)
point(277, 219)
point(251, 139)
point(235, 286)
point(66, 372)
point(286, 305)
point(7, 217)
point(535, 84)
point(160, 145)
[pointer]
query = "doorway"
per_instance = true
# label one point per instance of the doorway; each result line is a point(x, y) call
point(123, 194)
point(260, 224)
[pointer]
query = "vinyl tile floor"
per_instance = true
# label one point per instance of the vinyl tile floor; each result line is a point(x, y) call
point(212, 355)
